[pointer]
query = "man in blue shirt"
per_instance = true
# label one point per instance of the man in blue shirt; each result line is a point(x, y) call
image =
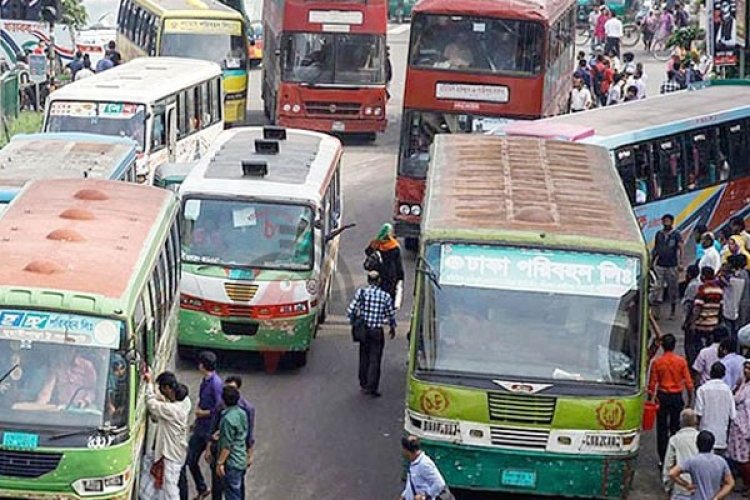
point(217, 490)
point(209, 404)
point(423, 480)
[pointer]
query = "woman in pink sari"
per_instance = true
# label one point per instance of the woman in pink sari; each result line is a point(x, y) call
point(666, 25)
point(739, 428)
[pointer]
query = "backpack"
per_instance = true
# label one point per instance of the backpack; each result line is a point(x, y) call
point(373, 260)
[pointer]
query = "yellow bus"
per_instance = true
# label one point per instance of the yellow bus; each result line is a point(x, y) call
point(194, 29)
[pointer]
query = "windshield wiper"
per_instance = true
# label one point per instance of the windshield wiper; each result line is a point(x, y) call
point(107, 430)
point(7, 374)
point(425, 268)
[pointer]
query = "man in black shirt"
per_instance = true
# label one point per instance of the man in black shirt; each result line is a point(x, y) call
point(666, 258)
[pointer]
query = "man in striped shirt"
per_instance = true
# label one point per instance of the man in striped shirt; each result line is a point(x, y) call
point(707, 306)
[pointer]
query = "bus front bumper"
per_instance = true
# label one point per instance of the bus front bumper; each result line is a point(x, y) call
point(344, 126)
point(532, 472)
point(46, 495)
point(198, 329)
point(404, 229)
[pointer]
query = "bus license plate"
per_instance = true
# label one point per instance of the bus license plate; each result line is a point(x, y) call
point(20, 440)
point(338, 127)
point(521, 478)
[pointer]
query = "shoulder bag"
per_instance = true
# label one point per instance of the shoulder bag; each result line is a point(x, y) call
point(359, 327)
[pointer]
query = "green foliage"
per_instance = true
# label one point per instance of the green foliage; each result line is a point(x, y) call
point(74, 14)
point(27, 122)
point(684, 37)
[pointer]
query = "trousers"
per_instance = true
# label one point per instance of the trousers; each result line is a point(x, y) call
point(370, 356)
point(232, 483)
point(667, 420)
point(196, 447)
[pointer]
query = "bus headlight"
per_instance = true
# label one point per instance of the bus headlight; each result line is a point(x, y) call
point(287, 107)
point(368, 110)
point(416, 210)
point(378, 111)
point(404, 209)
point(101, 485)
point(296, 108)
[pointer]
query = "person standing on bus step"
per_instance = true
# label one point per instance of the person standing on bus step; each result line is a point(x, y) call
point(613, 33)
point(391, 267)
point(231, 462)
point(376, 307)
point(209, 402)
point(666, 256)
point(670, 377)
point(423, 480)
point(171, 410)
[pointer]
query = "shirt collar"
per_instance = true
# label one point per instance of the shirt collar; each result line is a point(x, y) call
point(418, 458)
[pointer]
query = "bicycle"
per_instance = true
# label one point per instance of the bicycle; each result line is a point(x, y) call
point(631, 35)
point(660, 50)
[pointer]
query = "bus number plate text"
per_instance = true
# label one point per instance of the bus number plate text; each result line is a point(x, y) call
point(20, 440)
point(521, 478)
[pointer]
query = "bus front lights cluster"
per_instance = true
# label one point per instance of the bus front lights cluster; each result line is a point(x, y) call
point(294, 108)
point(261, 312)
point(377, 111)
point(101, 485)
point(405, 209)
point(433, 427)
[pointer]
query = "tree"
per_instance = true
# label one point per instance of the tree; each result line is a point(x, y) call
point(74, 14)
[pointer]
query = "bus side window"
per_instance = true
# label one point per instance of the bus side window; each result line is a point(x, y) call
point(645, 184)
point(218, 105)
point(190, 114)
point(132, 16)
point(150, 308)
point(734, 145)
point(155, 294)
point(165, 292)
point(151, 43)
point(336, 198)
point(140, 329)
point(205, 108)
point(625, 160)
point(667, 162)
point(173, 252)
point(122, 15)
point(159, 129)
point(181, 115)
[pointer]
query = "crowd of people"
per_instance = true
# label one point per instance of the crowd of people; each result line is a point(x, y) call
point(80, 67)
point(222, 434)
point(703, 418)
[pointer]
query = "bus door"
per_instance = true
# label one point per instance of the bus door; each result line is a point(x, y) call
point(172, 132)
point(734, 144)
point(668, 166)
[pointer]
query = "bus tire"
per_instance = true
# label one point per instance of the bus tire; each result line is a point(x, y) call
point(371, 136)
point(411, 243)
point(299, 358)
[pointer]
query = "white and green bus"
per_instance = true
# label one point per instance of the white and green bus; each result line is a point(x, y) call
point(88, 296)
point(527, 357)
point(261, 215)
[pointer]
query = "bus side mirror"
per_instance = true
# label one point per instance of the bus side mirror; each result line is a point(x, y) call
point(133, 357)
point(330, 236)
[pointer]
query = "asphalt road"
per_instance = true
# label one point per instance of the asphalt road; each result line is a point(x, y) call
point(317, 436)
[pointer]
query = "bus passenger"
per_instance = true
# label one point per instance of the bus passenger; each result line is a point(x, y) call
point(458, 53)
point(70, 384)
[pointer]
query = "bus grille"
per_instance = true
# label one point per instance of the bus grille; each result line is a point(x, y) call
point(332, 108)
point(521, 408)
point(27, 463)
point(241, 292)
point(533, 439)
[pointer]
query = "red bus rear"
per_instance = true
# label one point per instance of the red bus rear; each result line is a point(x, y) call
point(474, 65)
point(324, 64)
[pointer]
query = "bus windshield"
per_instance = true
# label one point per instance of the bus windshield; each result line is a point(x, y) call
point(57, 376)
point(420, 128)
point(477, 44)
point(239, 233)
point(327, 58)
point(477, 324)
point(228, 51)
point(103, 118)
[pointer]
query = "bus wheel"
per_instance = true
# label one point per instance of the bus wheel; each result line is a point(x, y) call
point(411, 243)
point(299, 358)
point(371, 136)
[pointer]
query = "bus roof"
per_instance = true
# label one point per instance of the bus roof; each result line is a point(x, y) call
point(66, 234)
point(65, 155)
point(482, 185)
point(190, 8)
point(656, 116)
point(533, 10)
point(142, 80)
point(300, 170)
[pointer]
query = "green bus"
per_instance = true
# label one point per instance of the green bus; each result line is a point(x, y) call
point(260, 242)
point(88, 297)
point(527, 356)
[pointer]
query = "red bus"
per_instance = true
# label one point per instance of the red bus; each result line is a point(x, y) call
point(474, 64)
point(324, 64)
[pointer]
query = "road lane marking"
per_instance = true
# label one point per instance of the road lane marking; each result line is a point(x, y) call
point(398, 29)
